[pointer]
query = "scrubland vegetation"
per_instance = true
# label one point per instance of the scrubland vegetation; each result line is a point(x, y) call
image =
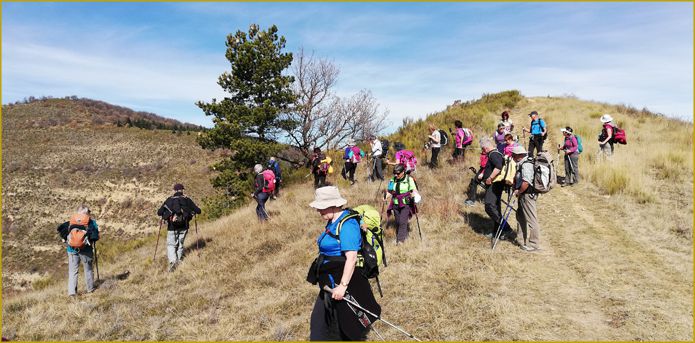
point(616, 262)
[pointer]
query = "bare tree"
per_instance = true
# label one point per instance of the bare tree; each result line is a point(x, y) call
point(322, 119)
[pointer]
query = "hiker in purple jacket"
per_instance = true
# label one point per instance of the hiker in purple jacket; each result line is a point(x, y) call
point(570, 148)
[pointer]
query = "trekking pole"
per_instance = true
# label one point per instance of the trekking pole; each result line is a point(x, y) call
point(485, 188)
point(96, 259)
point(197, 236)
point(354, 303)
point(417, 220)
point(504, 220)
point(157, 245)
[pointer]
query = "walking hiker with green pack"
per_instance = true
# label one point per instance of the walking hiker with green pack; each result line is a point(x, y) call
point(526, 214)
point(336, 267)
point(404, 197)
point(177, 210)
point(571, 154)
point(80, 234)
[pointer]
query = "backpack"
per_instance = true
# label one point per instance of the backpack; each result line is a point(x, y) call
point(371, 253)
point(407, 158)
point(508, 171)
point(544, 178)
point(357, 154)
point(580, 149)
point(619, 135)
point(77, 237)
point(468, 137)
point(179, 215)
point(268, 181)
point(325, 167)
point(384, 147)
point(444, 138)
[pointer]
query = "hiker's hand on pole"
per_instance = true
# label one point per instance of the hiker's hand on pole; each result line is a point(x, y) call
point(339, 292)
point(488, 181)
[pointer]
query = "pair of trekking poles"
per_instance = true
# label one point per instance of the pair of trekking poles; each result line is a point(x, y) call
point(197, 238)
point(351, 301)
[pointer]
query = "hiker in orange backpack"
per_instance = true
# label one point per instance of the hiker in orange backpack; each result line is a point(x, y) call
point(264, 186)
point(177, 211)
point(80, 233)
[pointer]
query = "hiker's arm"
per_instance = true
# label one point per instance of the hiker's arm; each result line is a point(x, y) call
point(523, 188)
point(492, 176)
point(350, 262)
point(195, 207)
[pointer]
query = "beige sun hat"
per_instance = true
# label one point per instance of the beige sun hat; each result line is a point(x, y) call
point(326, 197)
point(519, 150)
point(606, 118)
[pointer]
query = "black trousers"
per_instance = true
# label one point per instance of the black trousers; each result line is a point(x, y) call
point(493, 206)
point(349, 171)
point(473, 188)
point(434, 163)
point(535, 142)
point(319, 180)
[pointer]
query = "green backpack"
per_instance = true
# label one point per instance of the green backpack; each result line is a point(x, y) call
point(371, 254)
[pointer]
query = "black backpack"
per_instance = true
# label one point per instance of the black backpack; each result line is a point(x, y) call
point(179, 214)
point(444, 138)
point(384, 147)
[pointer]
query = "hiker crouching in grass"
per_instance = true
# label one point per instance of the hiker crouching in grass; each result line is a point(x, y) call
point(80, 233)
point(526, 214)
point(476, 180)
point(571, 151)
point(434, 141)
point(177, 210)
point(404, 196)
point(332, 319)
point(493, 194)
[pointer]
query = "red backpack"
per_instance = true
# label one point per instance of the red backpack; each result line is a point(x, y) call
point(269, 181)
point(619, 135)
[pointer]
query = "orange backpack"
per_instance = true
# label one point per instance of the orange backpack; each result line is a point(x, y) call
point(77, 238)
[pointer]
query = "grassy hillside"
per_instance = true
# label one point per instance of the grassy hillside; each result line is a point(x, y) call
point(122, 173)
point(611, 267)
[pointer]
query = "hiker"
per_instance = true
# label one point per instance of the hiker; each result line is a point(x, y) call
point(500, 143)
point(331, 318)
point(177, 210)
point(73, 232)
point(353, 156)
point(434, 143)
point(526, 214)
point(459, 138)
point(538, 133)
point(571, 152)
point(320, 165)
point(275, 167)
point(493, 194)
point(404, 157)
point(473, 185)
point(508, 124)
point(377, 157)
point(509, 144)
point(605, 139)
point(264, 184)
point(404, 195)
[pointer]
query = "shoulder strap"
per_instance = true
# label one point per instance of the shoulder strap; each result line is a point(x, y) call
point(351, 215)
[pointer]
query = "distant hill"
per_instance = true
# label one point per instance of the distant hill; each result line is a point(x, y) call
point(616, 262)
point(75, 112)
point(57, 153)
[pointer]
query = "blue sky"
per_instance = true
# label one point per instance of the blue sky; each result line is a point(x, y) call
point(415, 57)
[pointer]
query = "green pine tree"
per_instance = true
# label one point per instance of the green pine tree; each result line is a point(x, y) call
point(248, 121)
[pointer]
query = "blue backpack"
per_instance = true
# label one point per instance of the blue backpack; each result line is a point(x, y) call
point(579, 144)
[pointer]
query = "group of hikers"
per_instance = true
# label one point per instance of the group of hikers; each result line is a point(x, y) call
point(350, 246)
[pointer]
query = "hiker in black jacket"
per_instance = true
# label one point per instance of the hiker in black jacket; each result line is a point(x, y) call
point(177, 210)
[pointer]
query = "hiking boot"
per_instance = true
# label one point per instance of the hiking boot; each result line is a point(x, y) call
point(469, 202)
point(528, 248)
point(488, 235)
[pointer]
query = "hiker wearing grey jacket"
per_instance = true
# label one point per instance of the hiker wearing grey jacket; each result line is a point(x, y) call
point(526, 214)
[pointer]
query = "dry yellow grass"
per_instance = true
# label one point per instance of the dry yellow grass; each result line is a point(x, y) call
point(612, 268)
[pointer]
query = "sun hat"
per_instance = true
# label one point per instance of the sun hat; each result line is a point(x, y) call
point(567, 129)
point(328, 196)
point(519, 150)
point(606, 118)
